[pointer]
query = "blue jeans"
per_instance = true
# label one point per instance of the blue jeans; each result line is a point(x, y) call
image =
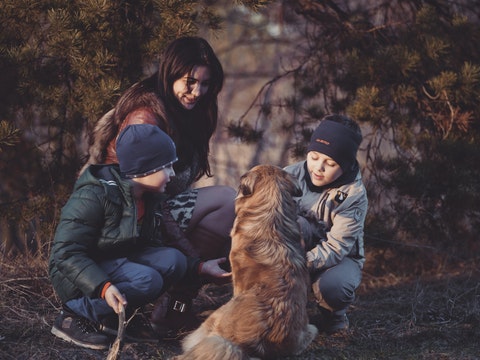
point(141, 277)
point(334, 288)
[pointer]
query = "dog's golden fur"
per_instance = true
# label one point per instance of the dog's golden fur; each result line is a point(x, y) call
point(267, 316)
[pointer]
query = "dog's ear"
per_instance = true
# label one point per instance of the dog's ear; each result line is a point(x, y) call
point(244, 190)
point(247, 183)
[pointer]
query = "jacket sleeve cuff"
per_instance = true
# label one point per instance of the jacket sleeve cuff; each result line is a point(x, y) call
point(101, 289)
point(193, 267)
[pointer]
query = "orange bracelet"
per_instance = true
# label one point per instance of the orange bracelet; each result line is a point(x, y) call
point(104, 290)
point(200, 266)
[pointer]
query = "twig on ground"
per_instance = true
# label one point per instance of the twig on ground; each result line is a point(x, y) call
point(30, 278)
point(115, 349)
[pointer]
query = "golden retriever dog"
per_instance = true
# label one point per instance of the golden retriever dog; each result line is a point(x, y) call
point(267, 315)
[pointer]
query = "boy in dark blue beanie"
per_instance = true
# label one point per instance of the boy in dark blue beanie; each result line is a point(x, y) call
point(108, 252)
point(332, 212)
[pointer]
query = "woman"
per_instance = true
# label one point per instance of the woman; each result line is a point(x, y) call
point(180, 98)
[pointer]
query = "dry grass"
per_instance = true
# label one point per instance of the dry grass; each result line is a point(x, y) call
point(425, 317)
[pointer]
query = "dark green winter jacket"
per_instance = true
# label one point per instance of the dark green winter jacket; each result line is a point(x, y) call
point(98, 222)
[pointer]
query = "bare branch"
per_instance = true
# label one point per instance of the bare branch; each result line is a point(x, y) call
point(114, 352)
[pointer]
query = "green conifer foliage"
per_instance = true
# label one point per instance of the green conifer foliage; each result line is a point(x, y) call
point(409, 73)
point(64, 63)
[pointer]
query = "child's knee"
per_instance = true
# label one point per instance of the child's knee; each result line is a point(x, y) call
point(150, 285)
point(337, 295)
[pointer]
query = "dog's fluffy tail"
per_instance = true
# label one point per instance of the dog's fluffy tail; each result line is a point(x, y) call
point(214, 347)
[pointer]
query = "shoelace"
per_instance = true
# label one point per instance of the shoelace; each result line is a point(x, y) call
point(85, 325)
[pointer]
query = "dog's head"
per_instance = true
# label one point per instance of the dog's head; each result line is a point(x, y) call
point(266, 212)
point(267, 182)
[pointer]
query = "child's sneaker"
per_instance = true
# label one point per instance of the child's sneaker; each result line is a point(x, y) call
point(79, 331)
point(138, 329)
point(330, 322)
point(338, 323)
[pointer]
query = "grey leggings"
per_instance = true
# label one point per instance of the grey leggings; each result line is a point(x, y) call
point(334, 288)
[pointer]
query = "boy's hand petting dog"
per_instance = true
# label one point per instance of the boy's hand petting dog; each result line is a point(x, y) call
point(313, 229)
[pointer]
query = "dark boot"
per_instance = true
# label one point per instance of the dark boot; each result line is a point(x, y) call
point(330, 322)
point(173, 312)
point(338, 322)
point(139, 328)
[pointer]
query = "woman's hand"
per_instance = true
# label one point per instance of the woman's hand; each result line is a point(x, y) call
point(212, 268)
point(114, 298)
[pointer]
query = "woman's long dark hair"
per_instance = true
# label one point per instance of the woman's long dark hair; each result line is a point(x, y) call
point(190, 129)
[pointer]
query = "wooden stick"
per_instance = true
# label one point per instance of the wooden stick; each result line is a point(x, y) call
point(114, 352)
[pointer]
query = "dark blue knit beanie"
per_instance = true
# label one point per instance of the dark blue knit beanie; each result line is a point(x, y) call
point(144, 149)
point(336, 141)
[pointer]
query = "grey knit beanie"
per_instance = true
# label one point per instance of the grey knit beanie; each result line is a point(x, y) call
point(143, 149)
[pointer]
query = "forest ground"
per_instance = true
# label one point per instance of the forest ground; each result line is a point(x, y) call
point(429, 316)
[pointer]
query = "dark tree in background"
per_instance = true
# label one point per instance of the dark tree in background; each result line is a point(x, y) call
point(409, 72)
point(64, 63)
